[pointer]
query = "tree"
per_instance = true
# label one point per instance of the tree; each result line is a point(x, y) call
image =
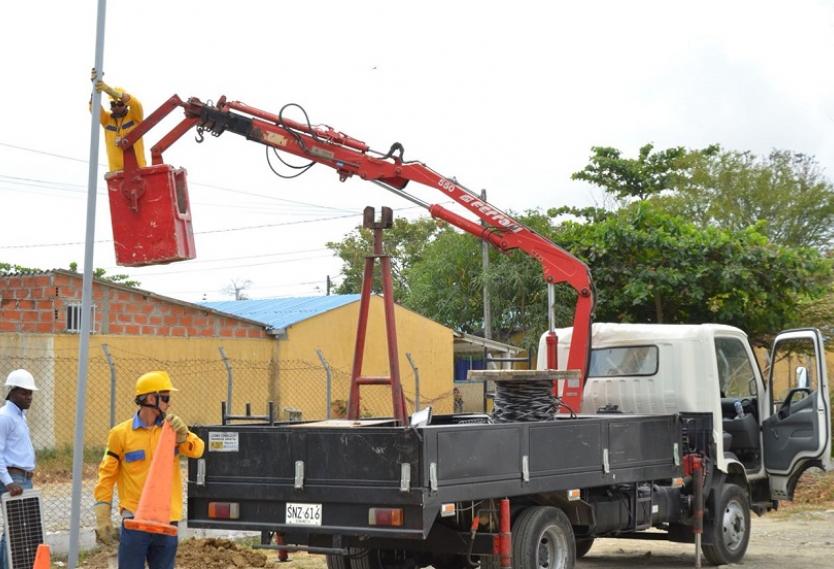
point(647, 175)
point(101, 274)
point(651, 266)
point(405, 242)
point(237, 288)
point(785, 190)
point(7, 269)
point(446, 285)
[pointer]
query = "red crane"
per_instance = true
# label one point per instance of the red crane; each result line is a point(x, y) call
point(352, 157)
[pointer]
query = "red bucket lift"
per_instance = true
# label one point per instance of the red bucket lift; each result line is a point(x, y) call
point(151, 215)
point(149, 207)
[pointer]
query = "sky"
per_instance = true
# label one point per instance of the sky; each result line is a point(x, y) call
point(507, 97)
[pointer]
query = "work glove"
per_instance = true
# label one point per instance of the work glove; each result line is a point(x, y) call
point(179, 427)
point(106, 534)
point(102, 86)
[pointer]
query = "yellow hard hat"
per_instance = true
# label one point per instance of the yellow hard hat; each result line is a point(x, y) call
point(120, 91)
point(154, 382)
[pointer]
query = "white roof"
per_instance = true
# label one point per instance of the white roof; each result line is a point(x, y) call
point(608, 333)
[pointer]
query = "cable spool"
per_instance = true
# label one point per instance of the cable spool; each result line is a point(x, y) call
point(525, 401)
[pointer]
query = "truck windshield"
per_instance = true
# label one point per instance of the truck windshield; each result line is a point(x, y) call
point(625, 361)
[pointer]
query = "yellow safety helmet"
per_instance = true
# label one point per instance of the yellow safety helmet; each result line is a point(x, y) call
point(154, 382)
point(120, 91)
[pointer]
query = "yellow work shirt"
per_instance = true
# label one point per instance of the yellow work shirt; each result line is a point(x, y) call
point(114, 129)
point(127, 459)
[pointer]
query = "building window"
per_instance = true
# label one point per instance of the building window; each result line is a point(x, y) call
point(74, 318)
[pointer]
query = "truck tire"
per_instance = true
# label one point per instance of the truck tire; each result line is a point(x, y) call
point(543, 539)
point(729, 526)
point(583, 546)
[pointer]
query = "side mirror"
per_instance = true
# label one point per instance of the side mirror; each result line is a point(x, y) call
point(802, 377)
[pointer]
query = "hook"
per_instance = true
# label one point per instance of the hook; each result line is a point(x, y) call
point(199, 138)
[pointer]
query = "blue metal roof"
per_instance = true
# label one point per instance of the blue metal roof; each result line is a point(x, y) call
point(278, 313)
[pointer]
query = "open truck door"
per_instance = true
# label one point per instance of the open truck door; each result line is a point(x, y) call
point(797, 433)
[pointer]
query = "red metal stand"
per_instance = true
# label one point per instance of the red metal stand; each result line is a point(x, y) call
point(357, 379)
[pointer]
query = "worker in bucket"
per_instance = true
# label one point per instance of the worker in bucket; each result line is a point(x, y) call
point(17, 455)
point(126, 462)
point(125, 114)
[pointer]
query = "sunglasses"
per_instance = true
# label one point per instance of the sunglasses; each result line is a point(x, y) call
point(164, 398)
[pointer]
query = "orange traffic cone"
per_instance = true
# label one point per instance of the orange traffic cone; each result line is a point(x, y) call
point(154, 512)
point(42, 557)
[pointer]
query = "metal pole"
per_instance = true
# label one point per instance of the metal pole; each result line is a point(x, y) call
point(112, 365)
point(485, 268)
point(229, 379)
point(416, 381)
point(328, 388)
point(86, 299)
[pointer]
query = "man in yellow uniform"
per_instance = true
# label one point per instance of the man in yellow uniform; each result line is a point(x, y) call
point(125, 114)
point(127, 460)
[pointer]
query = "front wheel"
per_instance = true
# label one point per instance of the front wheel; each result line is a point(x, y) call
point(543, 539)
point(729, 526)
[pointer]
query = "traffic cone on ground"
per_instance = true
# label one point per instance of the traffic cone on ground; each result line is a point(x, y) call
point(154, 512)
point(43, 558)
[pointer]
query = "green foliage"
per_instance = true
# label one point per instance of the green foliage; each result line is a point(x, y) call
point(712, 236)
point(650, 266)
point(648, 174)
point(785, 190)
point(7, 269)
point(447, 286)
point(404, 242)
point(101, 274)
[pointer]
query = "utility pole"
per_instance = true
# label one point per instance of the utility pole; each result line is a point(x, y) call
point(485, 268)
point(86, 298)
point(328, 285)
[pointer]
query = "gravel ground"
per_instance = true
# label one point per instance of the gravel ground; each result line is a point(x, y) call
point(802, 540)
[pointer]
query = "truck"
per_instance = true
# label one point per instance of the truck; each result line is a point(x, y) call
point(641, 431)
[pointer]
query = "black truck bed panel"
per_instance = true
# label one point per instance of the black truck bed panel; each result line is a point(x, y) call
point(349, 469)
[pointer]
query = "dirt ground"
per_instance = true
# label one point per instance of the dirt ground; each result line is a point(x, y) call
point(800, 536)
point(801, 540)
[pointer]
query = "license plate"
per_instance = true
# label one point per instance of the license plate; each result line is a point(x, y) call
point(303, 514)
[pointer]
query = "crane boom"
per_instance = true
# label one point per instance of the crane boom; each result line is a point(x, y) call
point(352, 157)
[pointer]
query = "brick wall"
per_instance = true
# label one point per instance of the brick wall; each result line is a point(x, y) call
point(38, 304)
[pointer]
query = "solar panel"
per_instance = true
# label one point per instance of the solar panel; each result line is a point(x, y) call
point(24, 528)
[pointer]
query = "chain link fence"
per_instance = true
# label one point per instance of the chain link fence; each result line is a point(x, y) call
point(300, 390)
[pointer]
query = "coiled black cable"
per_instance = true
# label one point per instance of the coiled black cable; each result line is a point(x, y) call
point(525, 401)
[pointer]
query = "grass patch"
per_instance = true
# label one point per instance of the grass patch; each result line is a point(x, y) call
point(55, 464)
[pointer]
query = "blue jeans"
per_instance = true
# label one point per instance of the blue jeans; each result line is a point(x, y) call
point(26, 484)
point(137, 546)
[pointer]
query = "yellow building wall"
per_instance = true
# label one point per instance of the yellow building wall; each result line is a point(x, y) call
point(334, 333)
point(194, 364)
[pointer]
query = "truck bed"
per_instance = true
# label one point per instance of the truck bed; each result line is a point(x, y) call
point(347, 469)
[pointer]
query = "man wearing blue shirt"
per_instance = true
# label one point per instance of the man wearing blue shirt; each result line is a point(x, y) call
point(17, 455)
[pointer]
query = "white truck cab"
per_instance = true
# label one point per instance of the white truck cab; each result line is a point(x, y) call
point(768, 429)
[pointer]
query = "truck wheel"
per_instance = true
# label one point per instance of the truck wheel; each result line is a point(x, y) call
point(729, 527)
point(583, 546)
point(543, 539)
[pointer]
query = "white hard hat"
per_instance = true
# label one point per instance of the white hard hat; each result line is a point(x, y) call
point(21, 378)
